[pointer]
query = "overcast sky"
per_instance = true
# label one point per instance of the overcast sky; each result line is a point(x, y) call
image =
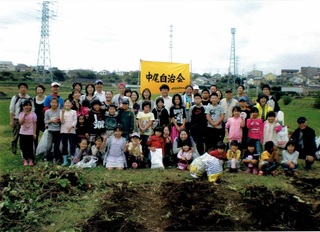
point(116, 34)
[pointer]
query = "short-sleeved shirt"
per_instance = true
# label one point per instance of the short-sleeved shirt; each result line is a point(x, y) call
point(178, 114)
point(215, 113)
point(144, 120)
point(27, 127)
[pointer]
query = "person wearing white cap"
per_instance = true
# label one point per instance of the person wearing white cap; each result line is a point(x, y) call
point(99, 93)
point(55, 87)
point(195, 89)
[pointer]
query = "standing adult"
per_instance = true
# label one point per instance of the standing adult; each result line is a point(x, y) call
point(305, 137)
point(213, 89)
point(164, 89)
point(228, 103)
point(205, 94)
point(187, 103)
point(118, 98)
point(101, 95)
point(55, 88)
point(14, 110)
point(135, 104)
point(76, 105)
point(38, 105)
point(195, 89)
point(241, 93)
point(90, 89)
point(146, 96)
point(108, 101)
point(272, 101)
point(75, 86)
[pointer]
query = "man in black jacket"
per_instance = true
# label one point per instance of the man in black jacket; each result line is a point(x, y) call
point(305, 140)
point(272, 100)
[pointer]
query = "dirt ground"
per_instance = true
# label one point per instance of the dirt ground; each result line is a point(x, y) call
point(201, 206)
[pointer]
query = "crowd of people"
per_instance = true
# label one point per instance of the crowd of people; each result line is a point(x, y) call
point(122, 129)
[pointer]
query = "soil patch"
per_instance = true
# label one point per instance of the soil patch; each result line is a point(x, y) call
point(199, 206)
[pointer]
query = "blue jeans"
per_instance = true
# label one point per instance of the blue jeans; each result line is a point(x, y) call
point(257, 145)
point(71, 138)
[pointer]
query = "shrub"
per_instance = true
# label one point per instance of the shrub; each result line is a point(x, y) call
point(317, 101)
point(286, 100)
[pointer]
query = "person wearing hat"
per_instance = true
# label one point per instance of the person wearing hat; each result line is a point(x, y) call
point(304, 138)
point(135, 157)
point(195, 89)
point(228, 103)
point(14, 110)
point(164, 89)
point(55, 88)
point(126, 118)
point(98, 84)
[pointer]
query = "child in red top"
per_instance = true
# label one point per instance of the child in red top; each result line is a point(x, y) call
point(220, 153)
point(156, 141)
point(255, 129)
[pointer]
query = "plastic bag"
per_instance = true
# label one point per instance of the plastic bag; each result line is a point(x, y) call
point(156, 159)
point(283, 137)
point(42, 145)
point(197, 167)
point(155, 124)
point(87, 162)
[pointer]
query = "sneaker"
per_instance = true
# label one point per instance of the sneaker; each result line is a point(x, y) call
point(248, 170)
point(274, 173)
point(134, 165)
point(255, 171)
point(260, 173)
point(25, 162)
point(31, 163)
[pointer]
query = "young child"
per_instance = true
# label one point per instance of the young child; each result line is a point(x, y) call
point(99, 148)
point(168, 159)
point(160, 112)
point(177, 115)
point(234, 125)
point(269, 160)
point(68, 119)
point(111, 119)
point(271, 128)
point(135, 157)
point(215, 116)
point(82, 130)
point(185, 154)
point(81, 151)
point(85, 108)
point(116, 147)
point(198, 123)
point(53, 125)
point(289, 161)
point(244, 113)
point(233, 156)
point(156, 141)
point(220, 153)
point(145, 121)
point(28, 122)
point(126, 119)
point(250, 158)
point(96, 120)
point(255, 129)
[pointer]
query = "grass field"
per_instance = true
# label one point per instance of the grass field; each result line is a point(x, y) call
point(74, 208)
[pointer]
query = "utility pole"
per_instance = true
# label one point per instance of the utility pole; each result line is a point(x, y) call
point(232, 64)
point(170, 42)
point(44, 57)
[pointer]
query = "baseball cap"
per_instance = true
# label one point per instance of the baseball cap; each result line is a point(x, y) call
point(135, 134)
point(242, 99)
point(54, 84)
point(229, 91)
point(301, 120)
point(125, 100)
point(196, 87)
point(98, 81)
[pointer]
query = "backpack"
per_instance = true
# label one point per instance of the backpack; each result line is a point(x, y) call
point(18, 98)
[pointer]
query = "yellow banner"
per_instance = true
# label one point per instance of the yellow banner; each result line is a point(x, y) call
point(154, 74)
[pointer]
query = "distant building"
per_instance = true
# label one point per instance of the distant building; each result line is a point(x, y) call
point(270, 77)
point(23, 68)
point(104, 72)
point(289, 72)
point(310, 72)
point(255, 73)
point(7, 66)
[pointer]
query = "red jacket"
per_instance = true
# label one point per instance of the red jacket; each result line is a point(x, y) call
point(157, 142)
point(216, 154)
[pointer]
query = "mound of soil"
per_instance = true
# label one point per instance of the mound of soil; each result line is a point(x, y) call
point(199, 206)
